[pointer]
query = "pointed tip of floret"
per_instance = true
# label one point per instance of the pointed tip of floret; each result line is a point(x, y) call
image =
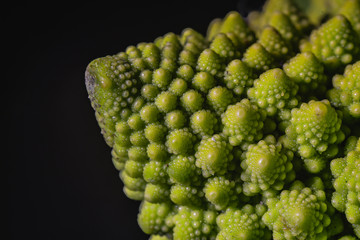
point(335, 43)
point(188, 116)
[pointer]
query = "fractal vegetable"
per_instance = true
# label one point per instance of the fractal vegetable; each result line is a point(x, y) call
point(250, 131)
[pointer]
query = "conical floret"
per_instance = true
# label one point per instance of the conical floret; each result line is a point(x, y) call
point(315, 127)
point(335, 43)
point(300, 214)
point(346, 91)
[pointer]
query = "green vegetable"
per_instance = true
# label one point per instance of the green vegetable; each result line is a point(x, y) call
point(298, 215)
point(335, 43)
point(195, 223)
point(266, 166)
point(308, 72)
point(274, 92)
point(243, 122)
point(222, 192)
point(244, 223)
point(213, 156)
point(346, 91)
point(346, 197)
point(315, 128)
point(240, 134)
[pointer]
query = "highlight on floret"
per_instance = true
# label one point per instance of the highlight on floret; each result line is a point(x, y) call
point(194, 223)
point(298, 214)
point(266, 165)
point(315, 128)
point(213, 156)
point(244, 223)
point(250, 131)
point(274, 92)
point(243, 122)
point(308, 72)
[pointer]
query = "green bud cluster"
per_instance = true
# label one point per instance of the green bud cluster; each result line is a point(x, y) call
point(275, 93)
point(267, 165)
point(244, 223)
point(346, 91)
point(335, 43)
point(315, 128)
point(215, 134)
point(194, 223)
point(346, 197)
point(243, 122)
point(298, 215)
point(308, 72)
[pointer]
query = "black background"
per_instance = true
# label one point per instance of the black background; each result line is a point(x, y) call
point(60, 180)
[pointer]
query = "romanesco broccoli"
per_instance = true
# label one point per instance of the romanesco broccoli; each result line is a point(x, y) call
point(240, 133)
point(346, 197)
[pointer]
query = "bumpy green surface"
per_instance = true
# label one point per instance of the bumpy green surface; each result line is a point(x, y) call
point(274, 92)
point(239, 77)
point(259, 19)
point(222, 192)
point(308, 72)
point(298, 215)
point(243, 122)
point(346, 91)
point(258, 58)
point(283, 25)
point(274, 43)
point(154, 218)
point(240, 133)
point(346, 197)
point(194, 223)
point(315, 129)
point(244, 223)
point(159, 237)
point(213, 155)
point(204, 122)
point(112, 93)
point(347, 238)
point(266, 166)
point(335, 43)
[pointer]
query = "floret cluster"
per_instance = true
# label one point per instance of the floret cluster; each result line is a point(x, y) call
point(250, 131)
